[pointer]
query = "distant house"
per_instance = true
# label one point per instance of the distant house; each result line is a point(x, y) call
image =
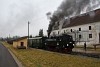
point(20, 42)
point(83, 28)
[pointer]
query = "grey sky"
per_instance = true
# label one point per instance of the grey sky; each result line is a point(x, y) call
point(14, 15)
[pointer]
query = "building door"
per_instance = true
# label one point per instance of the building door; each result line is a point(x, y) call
point(99, 37)
point(22, 44)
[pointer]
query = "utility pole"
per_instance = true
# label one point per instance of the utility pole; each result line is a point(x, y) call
point(28, 33)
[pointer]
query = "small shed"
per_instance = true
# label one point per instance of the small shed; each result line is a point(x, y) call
point(21, 42)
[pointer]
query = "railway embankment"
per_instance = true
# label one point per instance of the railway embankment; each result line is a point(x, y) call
point(41, 58)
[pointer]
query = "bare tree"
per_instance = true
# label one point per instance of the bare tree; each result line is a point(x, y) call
point(41, 32)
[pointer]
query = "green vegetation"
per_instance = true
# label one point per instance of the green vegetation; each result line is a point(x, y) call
point(40, 58)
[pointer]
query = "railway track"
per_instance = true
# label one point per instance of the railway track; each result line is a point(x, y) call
point(93, 55)
point(82, 53)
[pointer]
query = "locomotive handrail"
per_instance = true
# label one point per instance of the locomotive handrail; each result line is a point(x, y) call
point(36, 38)
point(50, 39)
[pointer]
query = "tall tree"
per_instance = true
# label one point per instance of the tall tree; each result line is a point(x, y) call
point(30, 36)
point(41, 32)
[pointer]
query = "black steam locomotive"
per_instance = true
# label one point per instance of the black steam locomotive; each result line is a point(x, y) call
point(63, 43)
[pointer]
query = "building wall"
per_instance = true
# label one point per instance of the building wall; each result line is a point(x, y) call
point(18, 43)
point(95, 30)
point(15, 44)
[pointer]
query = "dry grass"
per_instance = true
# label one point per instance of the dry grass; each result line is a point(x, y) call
point(41, 58)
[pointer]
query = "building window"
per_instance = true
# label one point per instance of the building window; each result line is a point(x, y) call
point(79, 29)
point(64, 31)
point(71, 30)
point(22, 43)
point(80, 36)
point(89, 27)
point(58, 32)
point(90, 35)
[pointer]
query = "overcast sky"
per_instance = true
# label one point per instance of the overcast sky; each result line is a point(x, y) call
point(14, 15)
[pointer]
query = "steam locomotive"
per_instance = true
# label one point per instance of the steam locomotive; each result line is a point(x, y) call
point(62, 43)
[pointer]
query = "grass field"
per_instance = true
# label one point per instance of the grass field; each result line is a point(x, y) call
point(41, 58)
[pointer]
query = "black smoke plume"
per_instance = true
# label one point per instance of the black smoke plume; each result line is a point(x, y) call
point(69, 8)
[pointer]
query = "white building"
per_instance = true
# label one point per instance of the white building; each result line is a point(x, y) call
point(83, 28)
